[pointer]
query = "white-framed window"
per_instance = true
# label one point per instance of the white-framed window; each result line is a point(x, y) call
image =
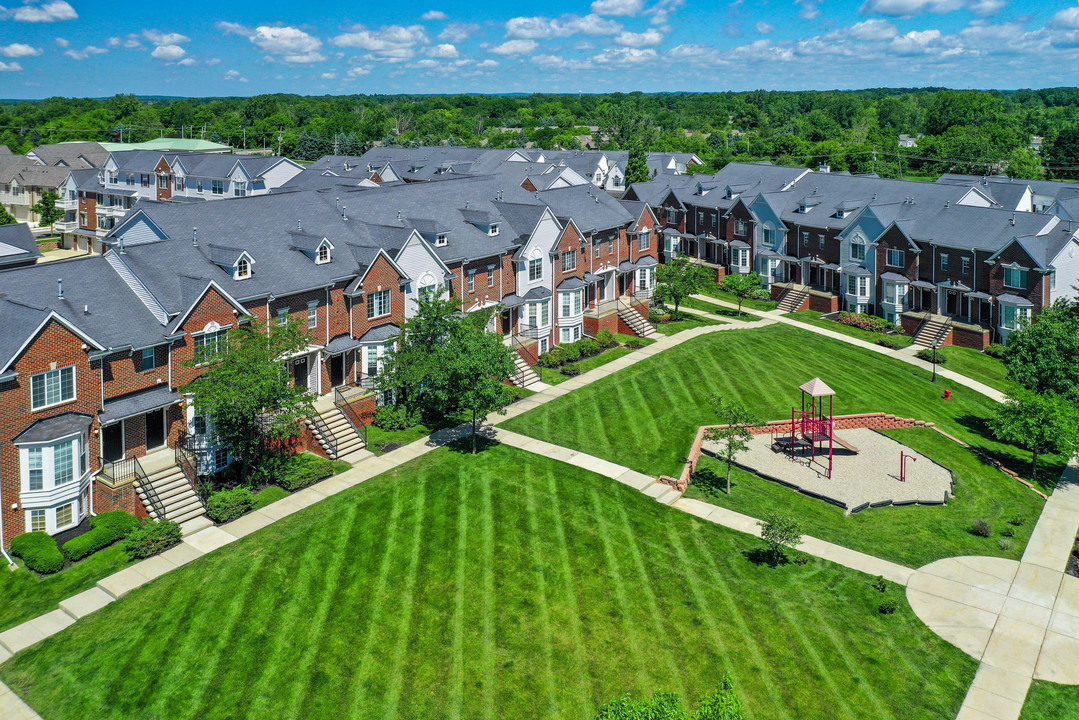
point(221, 458)
point(428, 291)
point(897, 258)
point(535, 269)
point(65, 515)
point(35, 471)
point(571, 302)
point(282, 316)
point(740, 257)
point(857, 250)
point(769, 235)
point(130, 179)
point(739, 227)
point(569, 261)
point(570, 334)
point(114, 177)
point(180, 183)
point(312, 314)
point(243, 269)
point(1015, 277)
point(37, 521)
point(597, 246)
point(805, 238)
point(163, 181)
point(198, 186)
point(539, 314)
point(46, 467)
point(52, 387)
point(323, 254)
point(490, 276)
point(646, 278)
point(441, 240)
point(858, 285)
point(895, 293)
point(944, 261)
point(966, 266)
point(378, 303)
point(217, 187)
point(148, 359)
point(472, 281)
point(644, 239)
point(493, 229)
point(1014, 318)
point(239, 188)
point(208, 345)
point(144, 179)
point(820, 241)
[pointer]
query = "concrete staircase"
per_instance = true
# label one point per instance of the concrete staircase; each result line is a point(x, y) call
point(524, 376)
point(173, 491)
point(663, 493)
point(793, 298)
point(347, 439)
point(637, 322)
point(933, 331)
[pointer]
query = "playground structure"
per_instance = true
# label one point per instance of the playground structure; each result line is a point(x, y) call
point(811, 429)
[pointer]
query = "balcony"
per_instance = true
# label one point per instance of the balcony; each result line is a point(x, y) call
point(602, 307)
point(67, 204)
point(66, 226)
point(532, 332)
point(116, 211)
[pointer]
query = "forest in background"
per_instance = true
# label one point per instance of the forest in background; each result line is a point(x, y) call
point(969, 131)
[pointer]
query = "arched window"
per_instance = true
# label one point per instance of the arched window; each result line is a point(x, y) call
point(323, 253)
point(243, 268)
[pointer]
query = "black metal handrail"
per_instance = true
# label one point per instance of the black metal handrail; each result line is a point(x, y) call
point(340, 400)
point(520, 347)
point(325, 433)
point(187, 460)
point(533, 332)
point(130, 469)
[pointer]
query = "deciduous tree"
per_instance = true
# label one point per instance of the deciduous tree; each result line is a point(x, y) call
point(1039, 421)
point(744, 287)
point(678, 279)
point(734, 434)
point(1042, 356)
point(47, 212)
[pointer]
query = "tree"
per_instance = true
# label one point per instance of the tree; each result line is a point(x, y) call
point(413, 371)
point(678, 279)
point(723, 704)
point(779, 532)
point(46, 209)
point(1039, 421)
point(1063, 152)
point(6, 218)
point(637, 165)
point(1041, 356)
point(478, 364)
point(1025, 163)
point(743, 287)
point(734, 435)
point(245, 389)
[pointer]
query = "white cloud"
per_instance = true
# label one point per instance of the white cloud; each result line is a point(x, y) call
point(1067, 18)
point(458, 32)
point(626, 56)
point(515, 47)
point(235, 75)
point(810, 11)
point(425, 64)
point(160, 38)
point(873, 29)
point(662, 11)
point(565, 26)
point(63, 42)
point(554, 62)
point(444, 51)
point(18, 50)
point(392, 43)
point(642, 39)
point(10, 67)
point(434, 15)
point(695, 52)
point(188, 62)
point(288, 44)
point(764, 28)
point(489, 64)
point(85, 52)
point(213, 61)
point(49, 12)
point(909, 8)
point(168, 53)
point(329, 76)
point(359, 71)
point(129, 43)
point(617, 8)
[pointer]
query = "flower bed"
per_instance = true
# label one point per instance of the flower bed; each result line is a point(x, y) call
point(869, 323)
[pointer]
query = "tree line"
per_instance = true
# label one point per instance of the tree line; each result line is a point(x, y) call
point(956, 130)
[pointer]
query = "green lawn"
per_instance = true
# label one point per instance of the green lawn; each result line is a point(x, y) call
point(376, 436)
point(26, 594)
point(912, 535)
point(713, 290)
point(269, 494)
point(504, 585)
point(721, 310)
point(647, 415)
point(1047, 700)
point(812, 317)
point(976, 365)
point(554, 376)
point(691, 321)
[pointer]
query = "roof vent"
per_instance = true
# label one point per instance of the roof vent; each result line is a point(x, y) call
point(85, 309)
point(194, 237)
point(344, 213)
point(468, 204)
point(299, 225)
point(337, 203)
point(1012, 221)
point(946, 204)
point(398, 216)
point(60, 288)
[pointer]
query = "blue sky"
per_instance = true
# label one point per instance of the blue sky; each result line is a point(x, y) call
point(84, 48)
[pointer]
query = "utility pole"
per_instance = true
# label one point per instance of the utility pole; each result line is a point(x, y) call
point(335, 145)
point(280, 137)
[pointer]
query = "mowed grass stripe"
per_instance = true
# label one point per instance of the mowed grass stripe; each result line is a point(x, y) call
point(488, 673)
point(457, 671)
point(812, 657)
point(539, 568)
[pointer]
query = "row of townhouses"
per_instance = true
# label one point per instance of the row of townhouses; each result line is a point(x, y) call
point(96, 352)
point(965, 260)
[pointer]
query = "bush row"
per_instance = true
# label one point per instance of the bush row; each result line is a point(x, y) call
point(572, 352)
point(929, 356)
point(301, 470)
point(394, 417)
point(869, 323)
point(105, 529)
point(38, 550)
point(152, 537)
point(226, 505)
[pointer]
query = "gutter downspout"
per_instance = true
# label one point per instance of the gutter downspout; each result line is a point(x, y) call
point(2, 550)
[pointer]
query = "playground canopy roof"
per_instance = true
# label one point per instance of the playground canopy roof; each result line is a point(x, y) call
point(816, 388)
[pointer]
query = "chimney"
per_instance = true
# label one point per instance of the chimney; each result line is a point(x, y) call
point(60, 288)
point(194, 237)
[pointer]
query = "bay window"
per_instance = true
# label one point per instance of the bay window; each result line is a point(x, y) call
point(539, 314)
point(1014, 318)
point(570, 334)
point(571, 303)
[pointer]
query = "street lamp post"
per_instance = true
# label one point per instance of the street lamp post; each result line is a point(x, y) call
point(934, 362)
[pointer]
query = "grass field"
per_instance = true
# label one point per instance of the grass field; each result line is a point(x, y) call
point(646, 416)
point(720, 310)
point(25, 594)
point(691, 321)
point(912, 535)
point(976, 365)
point(812, 317)
point(503, 585)
point(1049, 701)
point(554, 376)
point(712, 290)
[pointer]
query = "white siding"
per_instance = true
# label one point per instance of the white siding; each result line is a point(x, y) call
point(281, 173)
point(539, 245)
point(1066, 264)
point(420, 265)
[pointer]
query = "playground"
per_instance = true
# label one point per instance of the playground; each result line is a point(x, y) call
point(842, 459)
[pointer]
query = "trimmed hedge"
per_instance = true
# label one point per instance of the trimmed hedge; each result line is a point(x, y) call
point(870, 323)
point(38, 550)
point(226, 505)
point(572, 352)
point(394, 417)
point(928, 355)
point(105, 529)
point(303, 469)
point(994, 350)
point(152, 537)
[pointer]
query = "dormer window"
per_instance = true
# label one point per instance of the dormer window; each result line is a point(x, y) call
point(441, 240)
point(493, 229)
point(243, 269)
point(323, 254)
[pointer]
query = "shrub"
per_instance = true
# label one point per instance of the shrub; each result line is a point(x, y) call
point(928, 355)
point(571, 352)
point(659, 317)
point(880, 584)
point(890, 343)
point(571, 370)
point(888, 607)
point(1005, 544)
point(869, 323)
point(589, 347)
point(390, 417)
point(105, 529)
point(995, 350)
point(780, 532)
point(228, 505)
point(303, 469)
point(1018, 520)
point(981, 528)
point(152, 537)
point(605, 338)
point(38, 550)
point(552, 358)
point(1007, 532)
point(634, 343)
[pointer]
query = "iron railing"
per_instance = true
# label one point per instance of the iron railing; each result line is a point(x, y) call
point(342, 402)
point(528, 353)
point(187, 459)
point(533, 332)
point(130, 469)
point(324, 432)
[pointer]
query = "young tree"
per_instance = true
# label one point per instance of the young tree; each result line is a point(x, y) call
point(1039, 421)
point(779, 532)
point(678, 279)
point(46, 209)
point(478, 363)
point(6, 218)
point(723, 704)
point(1041, 357)
point(637, 165)
point(245, 389)
point(413, 370)
point(744, 287)
point(734, 436)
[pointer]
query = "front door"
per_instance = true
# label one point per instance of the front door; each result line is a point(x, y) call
point(507, 322)
point(337, 370)
point(112, 442)
point(300, 372)
point(155, 428)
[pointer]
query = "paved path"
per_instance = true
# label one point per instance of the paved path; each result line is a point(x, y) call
point(903, 355)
